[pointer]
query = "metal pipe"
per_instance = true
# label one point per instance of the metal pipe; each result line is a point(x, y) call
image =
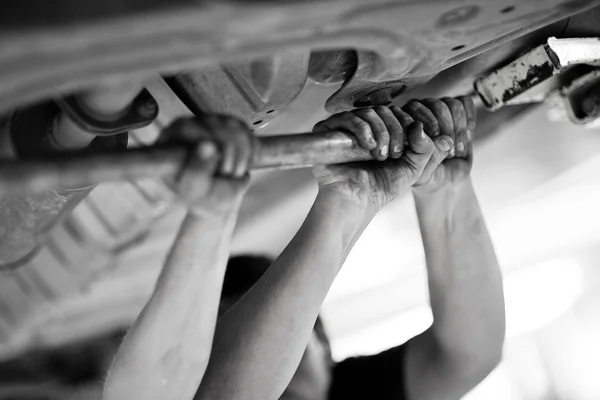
point(105, 102)
point(25, 215)
point(74, 169)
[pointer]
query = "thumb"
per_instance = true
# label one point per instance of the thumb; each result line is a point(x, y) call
point(199, 169)
point(443, 145)
point(420, 148)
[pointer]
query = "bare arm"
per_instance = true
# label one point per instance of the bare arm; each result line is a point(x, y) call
point(464, 344)
point(260, 341)
point(465, 341)
point(166, 352)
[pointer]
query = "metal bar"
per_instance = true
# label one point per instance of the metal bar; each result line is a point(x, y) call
point(75, 169)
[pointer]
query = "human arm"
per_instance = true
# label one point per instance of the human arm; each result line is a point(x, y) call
point(165, 353)
point(259, 342)
point(465, 340)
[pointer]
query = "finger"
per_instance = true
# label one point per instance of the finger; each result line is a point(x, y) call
point(461, 144)
point(245, 152)
point(382, 136)
point(420, 113)
point(349, 122)
point(459, 168)
point(443, 145)
point(459, 117)
point(228, 159)
point(199, 169)
point(469, 156)
point(471, 111)
point(420, 148)
point(241, 137)
point(442, 114)
point(395, 130)
point(402, 117)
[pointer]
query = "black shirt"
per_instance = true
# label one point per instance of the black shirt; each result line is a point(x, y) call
point(376, 377)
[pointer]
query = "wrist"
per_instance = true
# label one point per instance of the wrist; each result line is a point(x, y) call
point(220, 212)
point(452, 203)
point(346, 204)
point(445, 193)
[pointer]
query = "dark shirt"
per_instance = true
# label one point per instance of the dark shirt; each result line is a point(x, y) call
point(376, 377)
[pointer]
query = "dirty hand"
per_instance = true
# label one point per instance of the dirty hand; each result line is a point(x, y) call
point(383, 131)
point(452, 117)
point(214, 178)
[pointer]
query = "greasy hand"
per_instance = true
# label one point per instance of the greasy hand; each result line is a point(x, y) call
point(455, 118)
point(383, 131)
point(214, 178)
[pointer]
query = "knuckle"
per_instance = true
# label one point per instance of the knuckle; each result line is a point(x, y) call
point(428, 145)
point(384, 135)
point(414, 106)
point(361, 127)
point(368, 113)
point(467, 101)
point(319, 126)
point(382, 110)
point(451, 101)
point(440, 108)
point(397, 111)
point(433, 103)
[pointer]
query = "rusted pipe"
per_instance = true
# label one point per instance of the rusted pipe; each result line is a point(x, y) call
point(284, 151)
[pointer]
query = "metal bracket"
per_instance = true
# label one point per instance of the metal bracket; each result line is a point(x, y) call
point(538, 73)
point(143, 111)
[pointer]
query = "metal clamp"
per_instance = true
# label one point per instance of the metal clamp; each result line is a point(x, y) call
point(142, 112)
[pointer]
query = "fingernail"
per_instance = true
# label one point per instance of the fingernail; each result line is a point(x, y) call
point(207, 150)
point(398, 149)
point(444, 144)
point(452, 153)
point(384, 151)
point(460, 146)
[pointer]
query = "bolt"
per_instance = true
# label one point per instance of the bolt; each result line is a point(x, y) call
point(458, 16)
point(590, 106)
point(381, 97)
point(147, 108)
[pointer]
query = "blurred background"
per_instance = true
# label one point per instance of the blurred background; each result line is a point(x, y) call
point(62, 316)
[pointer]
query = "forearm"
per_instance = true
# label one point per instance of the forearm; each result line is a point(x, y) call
point(165, 354)
point(260, 341)
point(465, 282)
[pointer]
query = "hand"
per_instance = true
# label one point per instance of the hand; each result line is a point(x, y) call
point(383, 131)
point(455, 118)
point(214, 178)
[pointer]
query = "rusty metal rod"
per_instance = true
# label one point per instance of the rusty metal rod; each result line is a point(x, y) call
point(74, 169)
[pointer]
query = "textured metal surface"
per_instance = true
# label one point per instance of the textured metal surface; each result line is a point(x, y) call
point(581, 100)
point(512, 80)
point(529, 77)
point(26, 217)
point(140, 113)
point(41, 55)
point(254, 90)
